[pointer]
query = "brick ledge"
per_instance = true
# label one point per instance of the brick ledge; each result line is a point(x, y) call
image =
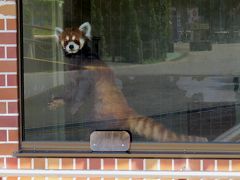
point(120, 174)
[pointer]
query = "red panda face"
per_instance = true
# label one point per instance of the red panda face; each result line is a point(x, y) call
point(73, 39)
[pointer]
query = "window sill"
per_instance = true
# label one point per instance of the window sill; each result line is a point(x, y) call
point(137, 150)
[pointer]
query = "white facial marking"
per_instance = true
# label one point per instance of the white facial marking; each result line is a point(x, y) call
point(58, 32)
point(73, 37)
point(67, 38)
point(72, 47)
point(82, 41)
point(86, 28)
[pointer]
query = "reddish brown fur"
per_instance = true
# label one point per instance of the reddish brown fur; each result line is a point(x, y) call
point(70, 32)
point(111, 103)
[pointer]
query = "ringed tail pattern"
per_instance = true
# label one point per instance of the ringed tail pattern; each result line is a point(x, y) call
point(147, 127)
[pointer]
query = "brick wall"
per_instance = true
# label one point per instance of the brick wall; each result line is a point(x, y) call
point(8, 84)
point(9, 126)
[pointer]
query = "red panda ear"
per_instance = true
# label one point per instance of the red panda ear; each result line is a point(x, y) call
point(86, 29)
point(58, 31)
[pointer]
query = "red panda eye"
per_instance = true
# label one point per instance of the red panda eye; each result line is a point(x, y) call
point(65, 43)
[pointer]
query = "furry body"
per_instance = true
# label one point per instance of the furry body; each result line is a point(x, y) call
point(93, 77)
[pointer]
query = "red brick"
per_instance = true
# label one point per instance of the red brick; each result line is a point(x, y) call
point(12, 107)
point(83, 178)
point(30, 178)
point(12, 163)
point(11, 24)
point(2, 52)
point(8, 66)
point(11, 52)
point(8, 149)
point(137, 164)
point(2, 107)
point(81, 163)
point(39, 163)
point(8, 38)
point(8, 121)
point(13, 135)
point(3, 135)
point(51, 178)
point(53, 163)
point(151, 164)
point(67, 163)
point(8, 9)
point(12, 80)
point(194, 164)
point(1, 163)
point(25, 163)
point(235, 165)
point(1, 24)
point(123, 164)
point(223, 165)
point(39, 178)
point(66, 178)
point(166, 164)
point(95, 164)
point(12, 178)
point(8, 93)
point(208, 165)
point(179, 164)
point(98, 178)
point(2, 80)
point(109, 164)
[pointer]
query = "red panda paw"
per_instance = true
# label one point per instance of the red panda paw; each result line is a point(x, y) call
point(55, 103)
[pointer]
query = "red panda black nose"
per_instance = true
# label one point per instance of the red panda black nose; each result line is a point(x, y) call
point(71, 46)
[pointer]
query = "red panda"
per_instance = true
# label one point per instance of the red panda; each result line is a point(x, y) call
point(109, 101)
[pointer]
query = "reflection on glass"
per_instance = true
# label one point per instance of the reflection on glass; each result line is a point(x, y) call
point(167, 71)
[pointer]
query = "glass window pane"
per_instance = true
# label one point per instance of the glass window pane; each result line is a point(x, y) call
point(166, 71)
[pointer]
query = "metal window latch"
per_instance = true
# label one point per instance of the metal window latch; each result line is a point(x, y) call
point(110, 141)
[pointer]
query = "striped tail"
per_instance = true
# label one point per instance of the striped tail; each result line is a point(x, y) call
point(153, 130)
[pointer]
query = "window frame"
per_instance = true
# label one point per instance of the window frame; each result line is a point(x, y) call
point(138, 150)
